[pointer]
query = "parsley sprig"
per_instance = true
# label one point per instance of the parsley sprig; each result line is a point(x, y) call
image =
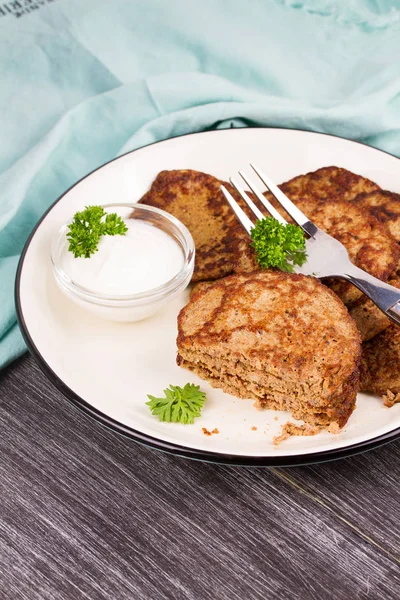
point(278, 245)
point(89, 226)
point(180, 405)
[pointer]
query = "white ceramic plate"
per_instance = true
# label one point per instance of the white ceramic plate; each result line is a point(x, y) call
point(108, 368)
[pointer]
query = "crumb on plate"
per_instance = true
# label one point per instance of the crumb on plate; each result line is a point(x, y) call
point(206, 432)
point(390, 399)
point(290, 429)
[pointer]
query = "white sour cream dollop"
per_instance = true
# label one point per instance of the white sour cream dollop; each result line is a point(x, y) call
point(139, 261)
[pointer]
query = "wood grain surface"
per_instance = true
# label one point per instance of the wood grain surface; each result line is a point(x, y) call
point(88, 514)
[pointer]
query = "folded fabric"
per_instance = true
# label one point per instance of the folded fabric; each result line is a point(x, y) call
point(81, 82)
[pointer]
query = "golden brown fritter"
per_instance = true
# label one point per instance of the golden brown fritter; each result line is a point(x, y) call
point(367, 241)
point(380, 365)
point(285, 340)
point(197, 201)
point(200, 285)
point(369, 244)
point(385, 206)
point(244, 257)
point(370, 320)
point(328, 183)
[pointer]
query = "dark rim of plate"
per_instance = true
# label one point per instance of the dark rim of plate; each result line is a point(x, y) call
point(184, 451)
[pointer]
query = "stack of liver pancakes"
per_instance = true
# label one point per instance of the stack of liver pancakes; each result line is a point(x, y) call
point(288, 341)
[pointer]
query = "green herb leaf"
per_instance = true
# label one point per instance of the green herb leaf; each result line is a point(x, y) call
point(114, 225)
point(278, 245)
point(180, 405)
point(88, 226)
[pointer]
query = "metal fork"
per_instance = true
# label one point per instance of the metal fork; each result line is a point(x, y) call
point(326, 256)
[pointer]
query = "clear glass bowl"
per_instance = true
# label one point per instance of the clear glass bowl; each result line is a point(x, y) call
point(134, 307)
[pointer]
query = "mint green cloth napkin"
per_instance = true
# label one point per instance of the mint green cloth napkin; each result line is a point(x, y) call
point(83, 81)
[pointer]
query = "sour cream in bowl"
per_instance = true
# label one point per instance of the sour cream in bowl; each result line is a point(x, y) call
point(132, 276)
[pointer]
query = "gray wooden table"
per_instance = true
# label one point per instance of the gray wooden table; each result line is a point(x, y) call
point(88, 514)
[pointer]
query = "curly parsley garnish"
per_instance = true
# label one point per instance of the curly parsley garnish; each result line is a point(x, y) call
point(278, 245)
point(180, 405)
point(88, 226)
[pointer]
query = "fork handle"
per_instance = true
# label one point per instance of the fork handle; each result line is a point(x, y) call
point(385, 296)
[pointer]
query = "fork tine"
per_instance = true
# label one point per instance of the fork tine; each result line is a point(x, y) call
point(246, 198)
point(292, 210)
point(272, 211)
point(239, 212)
